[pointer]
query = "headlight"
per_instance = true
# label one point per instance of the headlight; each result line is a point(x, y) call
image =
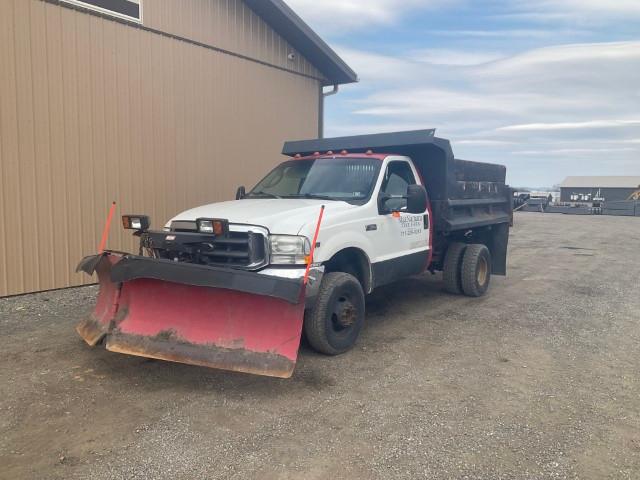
point(289, 249)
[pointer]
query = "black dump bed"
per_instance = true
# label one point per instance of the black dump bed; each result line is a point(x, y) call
point(464, 195)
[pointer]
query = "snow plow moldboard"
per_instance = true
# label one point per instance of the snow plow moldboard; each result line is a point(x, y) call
point(207, 316)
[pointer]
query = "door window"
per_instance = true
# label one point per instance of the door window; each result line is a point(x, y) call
point(396, 180)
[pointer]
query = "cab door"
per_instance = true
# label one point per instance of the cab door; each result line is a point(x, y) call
point(403, 247)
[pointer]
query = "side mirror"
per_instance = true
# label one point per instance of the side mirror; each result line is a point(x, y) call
point(416, 199)
point(241, 193)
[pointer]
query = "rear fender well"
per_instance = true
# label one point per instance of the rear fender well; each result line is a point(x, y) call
point(494, 237)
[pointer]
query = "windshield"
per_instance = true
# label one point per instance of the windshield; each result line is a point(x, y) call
point(346, 179)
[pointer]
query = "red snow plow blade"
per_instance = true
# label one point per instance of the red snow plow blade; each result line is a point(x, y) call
point(206, 316)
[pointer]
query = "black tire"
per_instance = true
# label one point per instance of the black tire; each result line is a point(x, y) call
point(452, 268)
point(334, 324)
point(476, 270)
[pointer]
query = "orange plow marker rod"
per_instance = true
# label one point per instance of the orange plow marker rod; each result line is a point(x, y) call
point(107, 227)
point(313, 245)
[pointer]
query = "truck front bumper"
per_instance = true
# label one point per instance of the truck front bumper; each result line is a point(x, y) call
point(282, 283)
point(313, 285)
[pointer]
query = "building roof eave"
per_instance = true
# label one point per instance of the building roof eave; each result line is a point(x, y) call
point(278, 15)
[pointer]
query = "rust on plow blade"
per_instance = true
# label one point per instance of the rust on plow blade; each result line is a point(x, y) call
point(205, 326)
point(96, 326)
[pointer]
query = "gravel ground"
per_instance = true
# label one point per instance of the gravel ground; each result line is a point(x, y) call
point(539, 379)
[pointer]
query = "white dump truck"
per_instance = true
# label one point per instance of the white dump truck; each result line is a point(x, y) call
point(234, 284)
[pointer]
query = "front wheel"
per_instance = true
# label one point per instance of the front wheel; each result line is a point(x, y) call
point(334, 323)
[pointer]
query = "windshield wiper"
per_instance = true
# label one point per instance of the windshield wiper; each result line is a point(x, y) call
point(263, 194)
point(312, 196)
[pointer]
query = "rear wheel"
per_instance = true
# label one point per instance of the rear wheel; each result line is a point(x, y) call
point(476, 270)
point(452, 268)
point(334, 324)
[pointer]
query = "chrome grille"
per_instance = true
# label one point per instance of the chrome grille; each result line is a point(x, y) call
point(238, 249)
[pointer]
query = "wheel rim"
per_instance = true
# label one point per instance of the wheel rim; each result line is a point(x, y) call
point(483, 271)
point(343, 315)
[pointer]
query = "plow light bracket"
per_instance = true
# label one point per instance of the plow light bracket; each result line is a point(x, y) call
point(215, 226)
point(140, 223)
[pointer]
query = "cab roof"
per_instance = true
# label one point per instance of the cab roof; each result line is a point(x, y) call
point(398, 143)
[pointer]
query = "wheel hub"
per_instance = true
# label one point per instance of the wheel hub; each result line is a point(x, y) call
point(483, 270)
point(345, 313)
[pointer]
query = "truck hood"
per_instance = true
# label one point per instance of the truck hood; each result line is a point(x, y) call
point(279, 216)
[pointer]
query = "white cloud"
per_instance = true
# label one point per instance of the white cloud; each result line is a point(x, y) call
point(333, 15)
point(442, 56)
point(564, 87)
point(561, 104)
point(573, 151)
point(607, 8)
point(373, 67)
point(525, 33)
point(577, 53)
point(582, 14)
point(531, 127)
point(483, 142)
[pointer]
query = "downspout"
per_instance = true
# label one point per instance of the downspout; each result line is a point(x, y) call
point(323, 95)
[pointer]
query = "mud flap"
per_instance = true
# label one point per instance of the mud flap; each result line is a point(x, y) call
point(198, 325)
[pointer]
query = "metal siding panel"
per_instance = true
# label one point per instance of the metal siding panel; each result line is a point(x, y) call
point(26, 140)
point(86, 174)
point(6, 57)
point(122, 150)
point(59, 248)
point(155, 84)
point(42, 145)
point(111, 181)
point(11, 208)
point(170, 127)
point(71, 122)
point(99, 143)
point(146, 174)
point(103, 112)
point(226, 24)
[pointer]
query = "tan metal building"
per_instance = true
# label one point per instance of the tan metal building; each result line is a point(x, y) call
point(160, 105)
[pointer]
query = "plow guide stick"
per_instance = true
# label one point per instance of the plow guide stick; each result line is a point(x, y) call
point(313, 245)
point(149, 308)
point(107, 228)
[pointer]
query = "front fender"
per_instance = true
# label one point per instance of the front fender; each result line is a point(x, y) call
point(332, 241)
